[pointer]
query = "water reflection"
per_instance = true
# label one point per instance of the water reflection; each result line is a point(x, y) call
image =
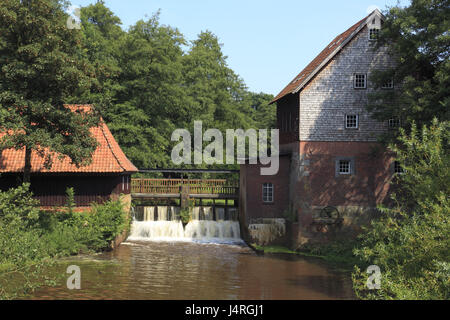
point(152, 270)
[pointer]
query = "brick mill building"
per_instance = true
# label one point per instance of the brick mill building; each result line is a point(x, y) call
point(329, 155)
point(108, 175)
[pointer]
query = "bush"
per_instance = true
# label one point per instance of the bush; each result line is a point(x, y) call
point(410, 243)
point(104, 224)
point(30, 240)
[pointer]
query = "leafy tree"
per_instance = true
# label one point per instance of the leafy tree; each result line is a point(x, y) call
point(151, 82)
point(42, 67)
point(101, 37)
point(152, 99)
point(265, 114)
point(410, 242)
point(417, 37)
point(217, 94)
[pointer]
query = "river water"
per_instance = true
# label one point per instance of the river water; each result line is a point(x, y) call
point(192, 270)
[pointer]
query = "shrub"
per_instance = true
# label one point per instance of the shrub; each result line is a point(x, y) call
point(104, 223)
point(30, 240)
point(410, 242)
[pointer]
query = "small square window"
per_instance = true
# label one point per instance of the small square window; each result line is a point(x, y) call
point(267, 192)
point(394, 123)
point(345, 167)
point(398, 167)
point(351, 121)
point(388, 85)
point(374, 33)
point(360, 81)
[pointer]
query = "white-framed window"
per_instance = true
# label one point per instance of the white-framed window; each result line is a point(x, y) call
point(351, 121)
point(267, 192)
point(345, 167)
point(360, 81)
point(374, 33)
point(398, 168)
point(394, 123)
point(388, 85)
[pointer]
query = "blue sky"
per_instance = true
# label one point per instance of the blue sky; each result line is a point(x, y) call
point(267, 42)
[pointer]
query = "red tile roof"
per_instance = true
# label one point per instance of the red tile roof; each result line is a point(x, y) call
point(303, 78)
point(107, 158)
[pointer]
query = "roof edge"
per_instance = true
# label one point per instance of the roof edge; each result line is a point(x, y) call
point(363, 23)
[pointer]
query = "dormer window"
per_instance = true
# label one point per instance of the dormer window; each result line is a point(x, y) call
point(360, 81)
point(374, 34)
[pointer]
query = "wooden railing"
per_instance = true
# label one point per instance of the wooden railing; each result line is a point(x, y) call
point(195, 186)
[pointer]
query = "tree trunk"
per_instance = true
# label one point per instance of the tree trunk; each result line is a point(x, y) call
point(27, 167)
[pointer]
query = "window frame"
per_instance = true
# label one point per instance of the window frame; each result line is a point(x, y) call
point(270, 191)
point(371, 32)
point(388, 85)
point(351, 161)
point(397, 124)
point(355, 77)
point(346, 121)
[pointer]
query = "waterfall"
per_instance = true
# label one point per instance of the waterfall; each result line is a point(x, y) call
point(162, 223)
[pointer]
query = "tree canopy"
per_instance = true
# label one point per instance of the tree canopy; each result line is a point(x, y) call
point(418, 38)
point(43, 65)
point(154, 81)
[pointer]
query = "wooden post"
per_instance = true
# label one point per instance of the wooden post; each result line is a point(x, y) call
point(184, 197)
point(227, 216)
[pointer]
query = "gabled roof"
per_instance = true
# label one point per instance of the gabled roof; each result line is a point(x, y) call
point(333, 48)
point(107, 158)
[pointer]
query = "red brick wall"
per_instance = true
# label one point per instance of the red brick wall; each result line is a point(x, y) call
point(368, 186)
point(255, 207)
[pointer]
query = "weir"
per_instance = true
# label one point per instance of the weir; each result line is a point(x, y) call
point(207, 224)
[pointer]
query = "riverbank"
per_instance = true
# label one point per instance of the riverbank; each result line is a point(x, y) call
point(32, 240)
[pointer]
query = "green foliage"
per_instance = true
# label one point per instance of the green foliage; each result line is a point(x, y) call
point(109, 220)
point(70, 202)
point(42, 67)
point(18, 206)
point(153, 81)
point(185, 215)
point(339, 252)
point(417, 37)
point(30, 240)
point(410, 243)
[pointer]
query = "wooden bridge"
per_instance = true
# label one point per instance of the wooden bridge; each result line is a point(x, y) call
point(184, 189)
